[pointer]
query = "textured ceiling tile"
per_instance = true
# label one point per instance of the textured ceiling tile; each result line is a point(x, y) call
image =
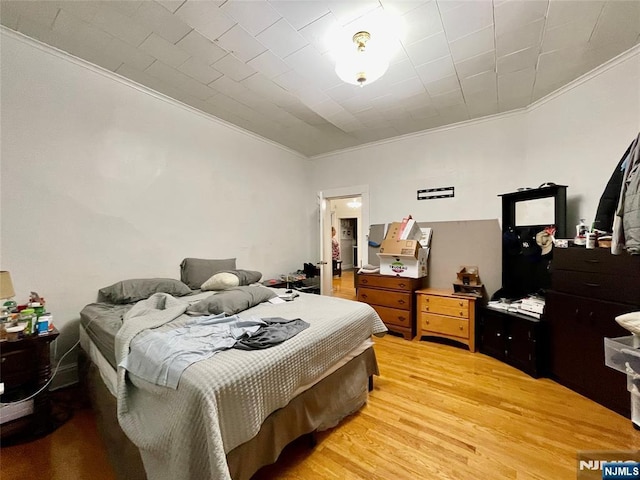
point(513, 14)
point(199, 71)
point(316, 32)
point(164, 51)
point(517, 84)
point(478, 64)
point(300, 14)
point(167, 74)
point(170, 5)
point(619, 22)
point(422, 22)
point(524, 37)
point(269, 64)
point(201, 47)
point(347, 12)
point(281, 39)
point(527, 58)
point(428, 49)
point(68, 24)
point(205, 17)
point(253, 16)
point(567, 35)
point(161, 21)
point(448, 99)
point(40, 13)
point(466, 19)
point(567, 11)
point(440, 68)
point(128, 54)
point(82, 10)
point(229, 87)
point(237, 40)
point(407, 88)
point(482, 82)
point(119, 25)
point(443, 85)
point(473, 44)
point(234, 68)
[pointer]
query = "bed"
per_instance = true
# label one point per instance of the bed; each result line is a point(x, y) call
point(234, 412)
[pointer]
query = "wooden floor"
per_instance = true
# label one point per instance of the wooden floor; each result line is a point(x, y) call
point(436, 412)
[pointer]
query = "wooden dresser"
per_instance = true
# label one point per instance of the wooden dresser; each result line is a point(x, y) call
point(393, 298)
point(589, 289)
point(441, 313)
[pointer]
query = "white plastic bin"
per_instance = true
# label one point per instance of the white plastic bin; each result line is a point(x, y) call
point(622, 351)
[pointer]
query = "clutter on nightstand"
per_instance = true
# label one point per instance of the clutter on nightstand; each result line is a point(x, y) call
point(468, 282)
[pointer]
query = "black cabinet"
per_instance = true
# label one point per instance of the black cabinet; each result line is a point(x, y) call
point(589, 289)
point(515, 339)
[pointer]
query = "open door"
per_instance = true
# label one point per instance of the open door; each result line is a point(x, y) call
point(326, 268)
point(324, 216)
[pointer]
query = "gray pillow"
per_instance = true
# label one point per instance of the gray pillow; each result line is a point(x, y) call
point(231, 301)
point(195, 271)
point(135, 289)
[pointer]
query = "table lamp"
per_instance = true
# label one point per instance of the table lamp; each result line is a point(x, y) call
point(6, 290)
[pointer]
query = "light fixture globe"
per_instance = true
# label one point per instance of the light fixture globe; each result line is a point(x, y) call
point(364, 64)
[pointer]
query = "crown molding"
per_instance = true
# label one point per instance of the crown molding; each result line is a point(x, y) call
point(61, 54)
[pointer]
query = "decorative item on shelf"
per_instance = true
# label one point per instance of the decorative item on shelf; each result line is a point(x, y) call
point(468, 282)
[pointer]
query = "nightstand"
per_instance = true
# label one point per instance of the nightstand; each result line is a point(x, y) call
point(25, 367)
point(442, 313)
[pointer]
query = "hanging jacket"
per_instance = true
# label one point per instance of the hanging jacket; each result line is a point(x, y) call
point(626, 224)
point(606, 211)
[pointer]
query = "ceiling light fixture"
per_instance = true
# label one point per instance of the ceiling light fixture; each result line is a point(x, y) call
point(365, 64)
point(355, 203)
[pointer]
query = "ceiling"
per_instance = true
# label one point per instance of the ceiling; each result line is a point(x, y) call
point(265, 66)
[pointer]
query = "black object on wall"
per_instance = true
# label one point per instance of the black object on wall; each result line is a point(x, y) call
point(525, 214)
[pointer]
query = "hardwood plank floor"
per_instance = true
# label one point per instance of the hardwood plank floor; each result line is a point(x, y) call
point(436, 411)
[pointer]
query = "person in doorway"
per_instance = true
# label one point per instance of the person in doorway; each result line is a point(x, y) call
point(335, 245)
point(335, 253)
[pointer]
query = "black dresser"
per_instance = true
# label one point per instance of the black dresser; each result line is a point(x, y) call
point(589, 288)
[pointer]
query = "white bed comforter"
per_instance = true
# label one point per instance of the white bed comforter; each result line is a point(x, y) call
point(221, 402)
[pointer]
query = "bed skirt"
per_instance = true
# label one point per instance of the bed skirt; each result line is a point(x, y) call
point(320, 407)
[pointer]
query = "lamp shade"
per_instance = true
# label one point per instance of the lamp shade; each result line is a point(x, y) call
point(362, 63)
point(6, 285)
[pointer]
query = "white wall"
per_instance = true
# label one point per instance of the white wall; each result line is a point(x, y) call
point(577, 138)
point(101, 181)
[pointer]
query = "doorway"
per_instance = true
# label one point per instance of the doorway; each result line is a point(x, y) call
point(350, 204)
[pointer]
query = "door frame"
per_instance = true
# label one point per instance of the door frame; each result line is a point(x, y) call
point(324, 197)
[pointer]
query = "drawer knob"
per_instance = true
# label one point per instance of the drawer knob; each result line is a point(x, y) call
point(460, 303)
point(364, 295)
point(498, 334)
point(364, 281)
point(3, 359)
point(461, 313)
point(461, 327)
point(592, 285)
point(402, 285)
point(401, 302)
point(427, 322)
point(509, 338)
point(426, 308)
point(401, 318)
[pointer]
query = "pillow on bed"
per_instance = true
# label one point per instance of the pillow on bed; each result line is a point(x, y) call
point(135, 289)
point(195, 271)
point(231, 301)
point(231, 278)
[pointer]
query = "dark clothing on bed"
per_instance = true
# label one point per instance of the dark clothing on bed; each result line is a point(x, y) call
point(275, 332)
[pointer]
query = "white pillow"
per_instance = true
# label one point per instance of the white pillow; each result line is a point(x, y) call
point(630, 321)
point(221, 281)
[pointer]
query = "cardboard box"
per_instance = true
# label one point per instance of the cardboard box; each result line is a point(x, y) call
point(468, 275)
point(474, 290)
point(398, 231)
point(403, 258)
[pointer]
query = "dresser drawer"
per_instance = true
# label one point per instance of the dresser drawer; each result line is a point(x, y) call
point(394, 316)
point(385, 298)
point(385, 281)
point(446, 325)
point(597, 260)
point(454, 307)
point(603, 286)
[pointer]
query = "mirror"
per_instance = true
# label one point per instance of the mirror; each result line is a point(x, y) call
point(539, 211)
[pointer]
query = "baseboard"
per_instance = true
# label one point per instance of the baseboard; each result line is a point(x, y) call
point(65, 376)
